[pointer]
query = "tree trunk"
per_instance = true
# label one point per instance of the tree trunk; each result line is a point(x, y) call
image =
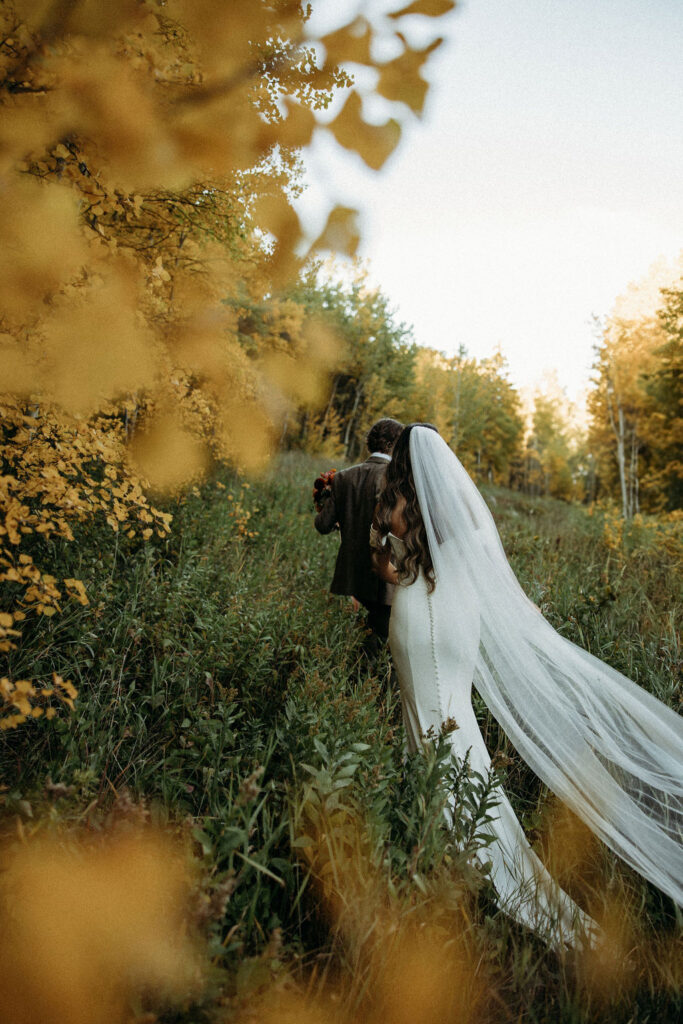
point(351, 419)
point(456, 410)
point(633, 474)
point(329, 405)
point(618, 428)
point(283, 435)
point(131, 423)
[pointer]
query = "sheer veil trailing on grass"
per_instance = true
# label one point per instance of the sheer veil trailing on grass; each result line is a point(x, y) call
point(609, 749)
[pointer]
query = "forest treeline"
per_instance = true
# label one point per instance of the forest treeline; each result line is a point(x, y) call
point(630, 450)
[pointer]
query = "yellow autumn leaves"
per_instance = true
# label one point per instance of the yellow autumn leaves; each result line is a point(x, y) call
point(72, 330)
point(119, 112)
point(23, 699)
point(90, 924)
point(147, 167)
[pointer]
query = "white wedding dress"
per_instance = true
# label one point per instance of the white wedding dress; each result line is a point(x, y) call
point(605, 746)
point(433, 657)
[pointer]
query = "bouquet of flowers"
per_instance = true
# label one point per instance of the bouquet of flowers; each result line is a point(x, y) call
point(322, 484)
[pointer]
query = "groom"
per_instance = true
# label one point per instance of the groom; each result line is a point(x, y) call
point(350, 503)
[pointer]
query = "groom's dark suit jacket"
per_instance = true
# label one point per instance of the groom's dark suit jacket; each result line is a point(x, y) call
point(351, 503)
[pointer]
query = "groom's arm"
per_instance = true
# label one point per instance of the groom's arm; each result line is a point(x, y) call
point(328, 517)
point(383, 566)
point(380, 554)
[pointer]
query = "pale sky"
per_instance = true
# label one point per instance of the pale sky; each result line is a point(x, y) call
point(545, 176)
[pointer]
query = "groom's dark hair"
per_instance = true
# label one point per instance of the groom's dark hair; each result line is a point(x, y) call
point(382, 435)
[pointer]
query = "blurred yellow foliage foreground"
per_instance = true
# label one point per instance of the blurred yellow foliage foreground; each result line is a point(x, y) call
point(102, 928)
point(88, 926)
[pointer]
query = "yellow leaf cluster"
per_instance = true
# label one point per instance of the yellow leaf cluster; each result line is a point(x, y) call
point(89, 926)
point(401, 79)
point(341, 232)
point(166, 455)
point(41, 245)
point(95, 349)
point(374, 143)
point(430, 8)
point(22, 699)
point(58, 474)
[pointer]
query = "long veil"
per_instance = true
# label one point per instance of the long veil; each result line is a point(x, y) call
point(609, 749)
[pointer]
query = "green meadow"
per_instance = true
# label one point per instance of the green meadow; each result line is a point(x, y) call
point(223, 694)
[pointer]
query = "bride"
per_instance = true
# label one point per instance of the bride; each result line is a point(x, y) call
point(606, 747)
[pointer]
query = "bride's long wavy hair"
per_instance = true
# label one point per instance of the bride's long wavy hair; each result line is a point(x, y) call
point(399, 483)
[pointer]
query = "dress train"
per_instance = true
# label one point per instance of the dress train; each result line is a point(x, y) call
point(433, 656)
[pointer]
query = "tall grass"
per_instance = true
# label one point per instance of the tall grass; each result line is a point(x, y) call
point(220, 684)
